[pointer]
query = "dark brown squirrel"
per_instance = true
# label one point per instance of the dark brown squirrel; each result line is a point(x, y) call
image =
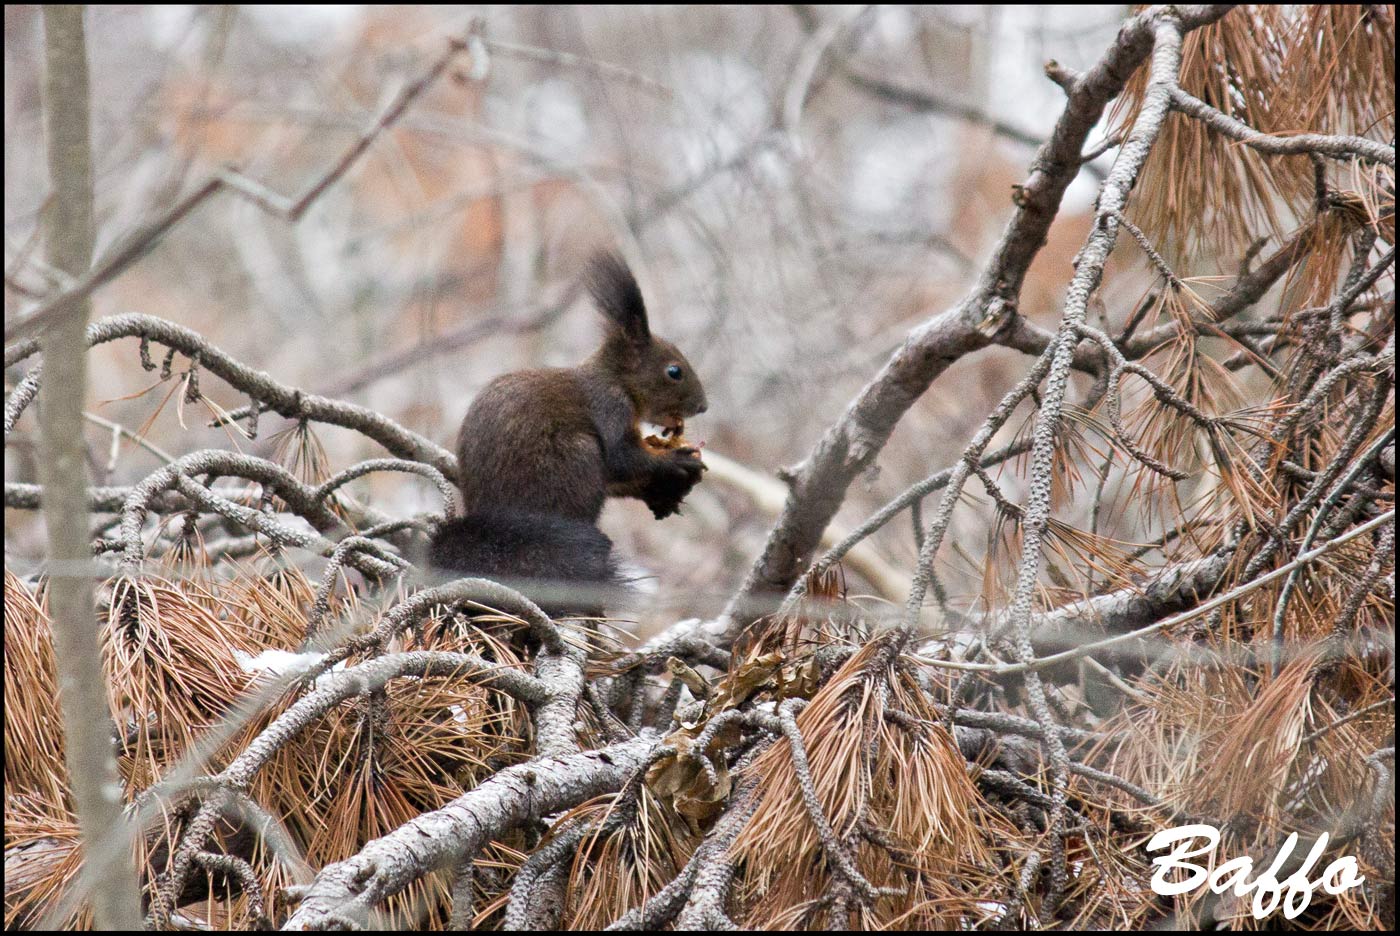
point(540, 450)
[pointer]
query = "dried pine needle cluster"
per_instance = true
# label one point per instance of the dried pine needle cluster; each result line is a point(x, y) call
point(184, 661)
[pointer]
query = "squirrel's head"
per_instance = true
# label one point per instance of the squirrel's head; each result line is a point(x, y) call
point(658, 378)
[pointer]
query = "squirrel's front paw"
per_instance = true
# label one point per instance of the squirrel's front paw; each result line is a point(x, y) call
point(681, 471)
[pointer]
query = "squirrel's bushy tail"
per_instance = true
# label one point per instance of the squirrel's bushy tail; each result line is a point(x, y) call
point(521, 546)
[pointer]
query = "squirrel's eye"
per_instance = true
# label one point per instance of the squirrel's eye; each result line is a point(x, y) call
point(674, 372)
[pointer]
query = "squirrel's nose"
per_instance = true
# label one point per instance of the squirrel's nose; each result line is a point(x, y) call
point(703, 407)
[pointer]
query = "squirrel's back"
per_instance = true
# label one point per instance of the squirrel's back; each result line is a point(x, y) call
point(530, 441)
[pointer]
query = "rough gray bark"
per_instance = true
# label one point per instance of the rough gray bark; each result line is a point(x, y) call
point(107, 877)
point(1176, 589)
point(1166, 62)
point(345, 893)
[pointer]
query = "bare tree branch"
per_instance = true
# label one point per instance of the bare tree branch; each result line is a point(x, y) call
point(286, 401)
point(818, 485)
point(346, 892)
point(106, 878)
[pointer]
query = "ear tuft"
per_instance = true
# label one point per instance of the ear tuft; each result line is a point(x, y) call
point(618, 296)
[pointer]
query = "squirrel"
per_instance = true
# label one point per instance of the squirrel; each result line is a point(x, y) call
point(539, 451)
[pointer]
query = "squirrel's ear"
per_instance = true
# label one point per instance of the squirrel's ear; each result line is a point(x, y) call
point(615, 290)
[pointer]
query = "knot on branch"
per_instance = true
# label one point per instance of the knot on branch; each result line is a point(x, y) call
point(1001, 312)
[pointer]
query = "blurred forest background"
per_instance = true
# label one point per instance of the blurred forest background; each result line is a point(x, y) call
point(786, 261)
